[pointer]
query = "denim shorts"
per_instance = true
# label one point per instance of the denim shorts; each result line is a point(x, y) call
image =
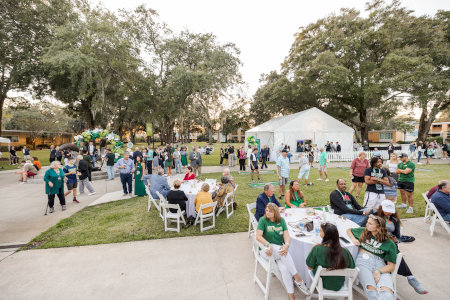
point(367, 264)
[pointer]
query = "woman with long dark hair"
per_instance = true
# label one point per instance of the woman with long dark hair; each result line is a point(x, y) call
point(330, 255)
point(388, 212)
point(376, 258)
point(294, 196)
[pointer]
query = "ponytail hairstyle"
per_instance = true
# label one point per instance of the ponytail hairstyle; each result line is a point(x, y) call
point(335, 251)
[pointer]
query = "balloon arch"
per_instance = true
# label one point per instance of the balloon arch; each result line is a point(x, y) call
point(98, 133)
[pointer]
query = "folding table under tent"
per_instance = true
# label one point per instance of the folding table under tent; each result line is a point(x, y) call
point(311, 124)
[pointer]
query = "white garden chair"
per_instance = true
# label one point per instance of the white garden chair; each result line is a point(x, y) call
point(268, 264)
point(162, 200)
point(227, 205)
point(436, 216)
point(172, 217)
point(252, 223)
point(152, 200)
point(428, 211)
point(360, 289)
point(345, 291)
point(201, 217)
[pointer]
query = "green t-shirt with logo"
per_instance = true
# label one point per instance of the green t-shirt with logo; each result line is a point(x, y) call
point(319, 256)
point(272, 232)
point(386, 250)
point(406, 177)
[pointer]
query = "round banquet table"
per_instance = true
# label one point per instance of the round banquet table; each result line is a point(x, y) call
point(300, 247)
point(191, 188)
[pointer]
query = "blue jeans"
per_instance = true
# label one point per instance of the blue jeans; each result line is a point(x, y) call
point(126, 179)
point(93, 159)
point(177, 165)
point(110, 171)
point(446, 217)
point(358, 219)
point(367, 264)
point(419, 155)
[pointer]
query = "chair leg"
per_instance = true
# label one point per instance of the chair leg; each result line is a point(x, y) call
point(267, 292)
point(433, 223)
point(249, 224)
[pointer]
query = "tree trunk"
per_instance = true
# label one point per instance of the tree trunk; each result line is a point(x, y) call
point(424, 125)
point(2, 101)
point(210, 135)
point(363, 123)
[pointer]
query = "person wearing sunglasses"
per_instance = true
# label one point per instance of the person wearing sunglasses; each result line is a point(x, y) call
point(376, 259)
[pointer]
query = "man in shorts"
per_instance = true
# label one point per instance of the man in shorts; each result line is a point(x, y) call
point(253, 160)
point(304, 168)
point(323, 161)
point(283, 171)
point(71, 179)
point(405, 169)
point(27, 170)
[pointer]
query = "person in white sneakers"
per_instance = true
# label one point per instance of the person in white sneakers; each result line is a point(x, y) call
point(323, 161)
point(405, 169)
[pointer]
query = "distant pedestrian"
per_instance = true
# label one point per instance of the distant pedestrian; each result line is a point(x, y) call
point(83, 176)
point(26, 153)
point(429, 153)
point(70, 171)
point(52, 153)
point(283, 172)
point(110, 161)
point(323, 162)
point(253, 159)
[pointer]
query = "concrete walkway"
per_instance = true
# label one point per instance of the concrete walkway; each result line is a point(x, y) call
point(201, 267)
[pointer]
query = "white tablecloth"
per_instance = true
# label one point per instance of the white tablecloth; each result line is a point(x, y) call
point(301, 246)
point(191, 188)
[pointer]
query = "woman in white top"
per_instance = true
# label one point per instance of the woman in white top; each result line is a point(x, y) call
point(392, 164)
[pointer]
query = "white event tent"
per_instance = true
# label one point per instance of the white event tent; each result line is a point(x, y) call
point(311, 124)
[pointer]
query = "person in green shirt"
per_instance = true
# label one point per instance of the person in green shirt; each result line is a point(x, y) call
point(54, 185)
point(272, 232)
point(375, 249)
point(323, 161)
point(110, 160)
point(330, 255)
point(405, 169)
point(294, 197)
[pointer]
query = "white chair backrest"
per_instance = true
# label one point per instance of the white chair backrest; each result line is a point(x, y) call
point(203, 206)
point(161, 197)
point(167, 206)
point(397, 263)
point(341, 272)
point(250, 207)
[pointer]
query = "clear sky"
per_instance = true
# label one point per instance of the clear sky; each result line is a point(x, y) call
point(263, 30)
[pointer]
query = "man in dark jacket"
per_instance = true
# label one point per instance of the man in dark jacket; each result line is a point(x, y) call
point(344, 204)
point(83, 174)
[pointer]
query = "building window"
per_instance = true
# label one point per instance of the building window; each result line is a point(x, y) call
point(13, 138)
point(386, 135)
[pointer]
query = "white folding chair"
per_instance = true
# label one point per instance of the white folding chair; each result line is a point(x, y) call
point(252, 223)
point(172, 217)
point(152, 200)
point(201, 217)
point(436, 216)
point(268, 264)
point(359, 288)
point(162, 200)
point(428, 210)
point(345, 291)
point(227, 205)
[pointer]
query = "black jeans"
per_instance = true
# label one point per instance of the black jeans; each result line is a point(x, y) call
point(221, 160)
point(51, 198)
point(126, 179)
point(264, 159)
point(242, 165)
point(149, 166)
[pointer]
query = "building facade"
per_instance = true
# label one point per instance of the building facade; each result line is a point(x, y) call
point(23, 137)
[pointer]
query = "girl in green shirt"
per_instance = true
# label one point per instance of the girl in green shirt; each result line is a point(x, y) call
point(330, 255)
point(273, 233)
point(294, 197)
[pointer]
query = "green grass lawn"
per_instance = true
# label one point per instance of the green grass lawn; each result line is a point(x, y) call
point(43, 155)
point(128, 220)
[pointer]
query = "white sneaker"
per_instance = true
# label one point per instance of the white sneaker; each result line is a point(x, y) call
point(419, 163)
point(410, 210)
point(319, 179)
point(403, 205)
point(302, 287)
point(93, 193)
point(327, 179)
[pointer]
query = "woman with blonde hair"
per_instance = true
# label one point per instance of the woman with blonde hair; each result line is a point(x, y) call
point(203, 197)
point(357, 168)
point(376, 259)
point(273, 233)
point(392, 164)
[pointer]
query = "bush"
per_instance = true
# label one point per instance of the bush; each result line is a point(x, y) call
point(437, 139)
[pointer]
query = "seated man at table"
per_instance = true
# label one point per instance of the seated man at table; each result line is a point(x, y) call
point(158, 183)
point(224, 188)
point(203, 197)
point(344, 204)
point(226, 173)
point(441, 199)
point(264, 198)
point(176, 196)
